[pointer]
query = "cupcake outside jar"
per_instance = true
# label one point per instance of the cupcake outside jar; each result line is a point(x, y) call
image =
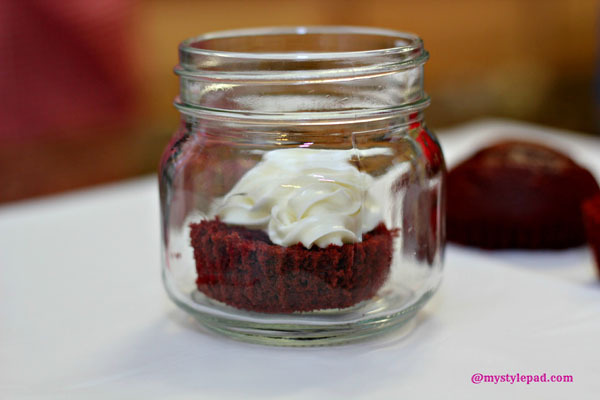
point(302, 197)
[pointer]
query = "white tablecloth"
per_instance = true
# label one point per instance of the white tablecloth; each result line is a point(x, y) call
point(83, 313)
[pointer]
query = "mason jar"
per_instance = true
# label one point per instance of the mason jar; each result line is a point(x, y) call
point(302, 196)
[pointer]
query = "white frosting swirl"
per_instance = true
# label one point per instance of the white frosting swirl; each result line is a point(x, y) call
point(304, 196)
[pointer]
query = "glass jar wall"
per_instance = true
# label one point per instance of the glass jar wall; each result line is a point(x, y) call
point(303, 195)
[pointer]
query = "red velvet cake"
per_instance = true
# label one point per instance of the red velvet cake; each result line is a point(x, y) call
point(518, 195)
point(241, 267)
point(591, 218)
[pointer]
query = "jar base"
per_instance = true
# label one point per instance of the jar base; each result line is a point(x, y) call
point(315, 328)
point(302, 337)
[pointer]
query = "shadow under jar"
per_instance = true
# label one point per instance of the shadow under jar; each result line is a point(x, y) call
point(302, 197)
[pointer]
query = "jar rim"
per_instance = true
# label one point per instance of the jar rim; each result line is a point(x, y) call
point(271, 62)
point(404, 43)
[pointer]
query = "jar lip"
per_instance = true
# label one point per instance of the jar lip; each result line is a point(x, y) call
point(411, 43)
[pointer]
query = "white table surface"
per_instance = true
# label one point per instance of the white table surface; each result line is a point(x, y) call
point(83, 313)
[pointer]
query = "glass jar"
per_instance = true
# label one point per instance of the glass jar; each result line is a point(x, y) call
point(302, 197)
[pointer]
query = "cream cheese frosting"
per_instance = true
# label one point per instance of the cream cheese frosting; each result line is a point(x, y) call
point(304, 196)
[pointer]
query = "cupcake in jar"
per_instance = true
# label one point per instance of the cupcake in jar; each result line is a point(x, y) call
point(300, 231)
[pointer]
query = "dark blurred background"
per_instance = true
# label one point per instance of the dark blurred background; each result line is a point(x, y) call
point(86, 87)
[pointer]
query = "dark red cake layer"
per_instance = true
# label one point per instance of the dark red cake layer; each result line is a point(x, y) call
point(244, 269)
point(518, 195)
point(591, 217)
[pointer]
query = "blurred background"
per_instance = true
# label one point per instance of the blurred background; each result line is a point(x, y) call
point(86, 87)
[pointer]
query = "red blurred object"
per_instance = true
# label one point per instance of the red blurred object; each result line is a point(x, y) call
point(67, 94)
point(518, 194)
point(65, 65)
point(591, 219)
